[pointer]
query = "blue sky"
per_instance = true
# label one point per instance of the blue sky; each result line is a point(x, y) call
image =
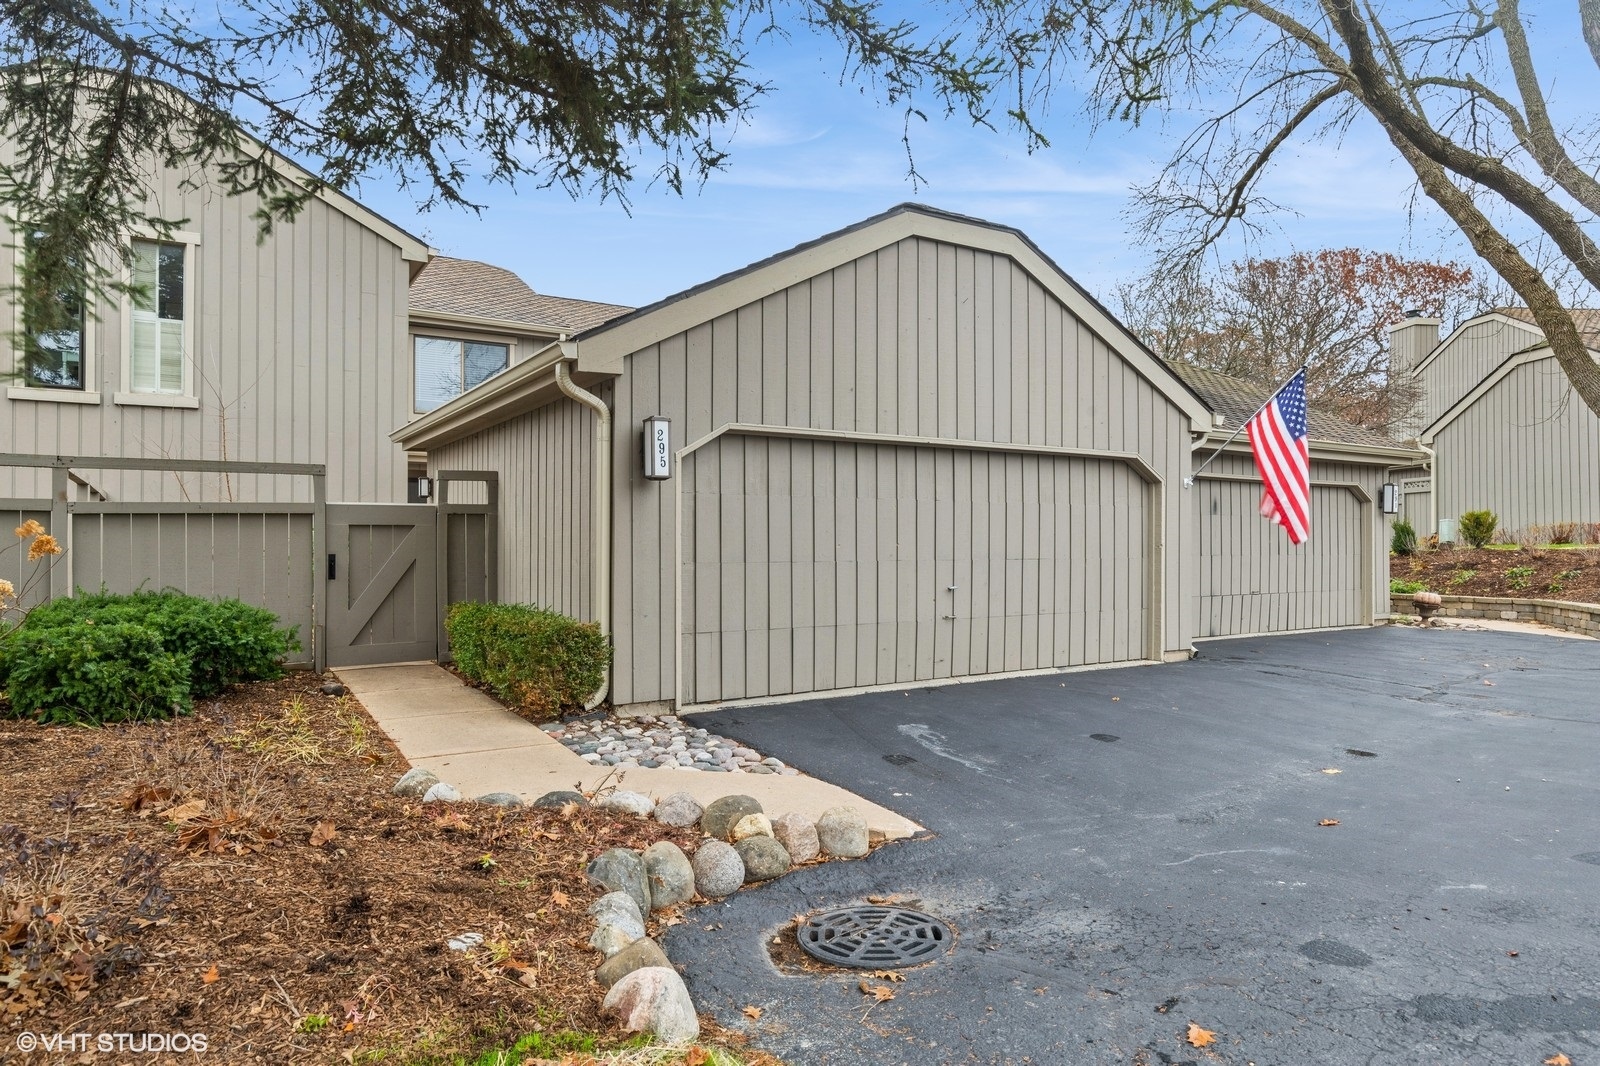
point(817, 155)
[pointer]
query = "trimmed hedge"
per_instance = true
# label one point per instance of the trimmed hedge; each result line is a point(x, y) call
point(89, 674)
point(536, 660)
point(60, 664)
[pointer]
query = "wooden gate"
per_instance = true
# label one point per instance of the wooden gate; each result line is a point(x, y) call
point(382, 593)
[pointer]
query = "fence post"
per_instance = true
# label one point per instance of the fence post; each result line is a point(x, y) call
point(61, 529)
point(319, 572)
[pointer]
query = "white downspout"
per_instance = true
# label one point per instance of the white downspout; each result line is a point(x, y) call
point(602, 503)
point(1433, 486)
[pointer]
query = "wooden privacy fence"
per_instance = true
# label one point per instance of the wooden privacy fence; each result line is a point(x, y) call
point(362, 583)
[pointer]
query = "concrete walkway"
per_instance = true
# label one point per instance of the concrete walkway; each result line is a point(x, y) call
point(478, 746)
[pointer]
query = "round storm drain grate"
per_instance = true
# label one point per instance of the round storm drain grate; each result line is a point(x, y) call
point(875, 938)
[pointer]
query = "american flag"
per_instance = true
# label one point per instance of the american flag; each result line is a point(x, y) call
point(1278, 441)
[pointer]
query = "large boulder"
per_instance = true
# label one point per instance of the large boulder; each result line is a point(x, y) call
point(679, 809)
point(842, 832)
point(621, 870)
point(630, 802)
point(723, 814)
point(415, 782)
point(718, 869)
point(798, 835)
point(763, 857)
point(653, 999)
point(670, 874)
point(636, 956)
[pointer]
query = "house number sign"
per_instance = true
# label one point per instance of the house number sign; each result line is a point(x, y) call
point(657, 448)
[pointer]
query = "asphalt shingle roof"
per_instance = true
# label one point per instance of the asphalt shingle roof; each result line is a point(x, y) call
point(468, 287)
point(1237, 400)
point(1587, 319)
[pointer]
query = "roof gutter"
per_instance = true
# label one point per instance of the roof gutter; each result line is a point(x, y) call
point(602, 502)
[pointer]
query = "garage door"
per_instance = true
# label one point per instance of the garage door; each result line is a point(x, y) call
point(1252, 580)
point(811, 565)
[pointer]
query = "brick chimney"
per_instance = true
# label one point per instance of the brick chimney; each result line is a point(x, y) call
point(1410, 341)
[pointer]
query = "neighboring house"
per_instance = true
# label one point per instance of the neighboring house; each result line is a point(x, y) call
point(1506, 431)
point(1251, 579)
point(287, 347)
point(470, 321)
point(910, 451)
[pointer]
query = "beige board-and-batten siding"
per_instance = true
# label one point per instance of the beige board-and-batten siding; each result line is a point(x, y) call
point(1252, 580)
point(298, 354)
point(545, 459)
point(1526, 448)
point(917, 342)
point(1466, 358)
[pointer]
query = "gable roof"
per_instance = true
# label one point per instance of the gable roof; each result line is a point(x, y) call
point(603, 348)
point(1517, 359)
point(1587, 319)
point(466, 288)
point(1237, 400)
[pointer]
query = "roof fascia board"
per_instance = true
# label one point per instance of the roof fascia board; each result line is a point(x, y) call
point(1333, 451)
point(487, 322)
point(606, 350)
point(1438, 349)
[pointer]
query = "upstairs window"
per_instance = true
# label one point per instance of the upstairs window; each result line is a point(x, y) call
point(54, 327)
point(445, 368)
point(157, 360)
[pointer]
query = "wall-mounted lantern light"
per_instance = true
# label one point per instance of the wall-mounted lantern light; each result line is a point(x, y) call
point(1391, 498)
point(657, 448)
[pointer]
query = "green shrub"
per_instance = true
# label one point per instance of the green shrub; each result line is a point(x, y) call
point(227, 641)
point(1477, 527)
point(1403, 540)
point(1402, 587)
point(86, 673)
point(537, 660)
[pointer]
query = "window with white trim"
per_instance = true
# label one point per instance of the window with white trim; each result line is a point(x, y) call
point(446, 367)
point(159, 319)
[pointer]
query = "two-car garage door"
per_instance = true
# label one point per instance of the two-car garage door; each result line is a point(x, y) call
point(809, 565)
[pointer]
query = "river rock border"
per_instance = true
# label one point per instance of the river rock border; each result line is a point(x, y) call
point(741, 845)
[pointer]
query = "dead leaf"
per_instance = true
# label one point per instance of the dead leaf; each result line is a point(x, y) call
point(1328, 822)
point(889, 975)
point(211, 975)
point(1513, 954)
point(752, 1012)
point(559, 898)
point(697, 1056)
point(879, 993)
point(884, 901)
point(1199, 1037)
point(185, 812)
point(1333, 770)
point(1558, 1059)
point(323, 833)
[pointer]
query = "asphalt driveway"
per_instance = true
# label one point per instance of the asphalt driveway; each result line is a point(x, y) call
point(1125, 851)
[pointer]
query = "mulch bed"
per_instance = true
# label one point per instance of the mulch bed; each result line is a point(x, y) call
point(250, 877)
point(1571, 574)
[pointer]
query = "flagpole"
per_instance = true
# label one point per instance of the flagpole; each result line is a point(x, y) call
point(1188, 482)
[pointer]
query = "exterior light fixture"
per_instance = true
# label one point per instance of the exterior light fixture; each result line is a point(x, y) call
point(657, 448)
point(1391, 498)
